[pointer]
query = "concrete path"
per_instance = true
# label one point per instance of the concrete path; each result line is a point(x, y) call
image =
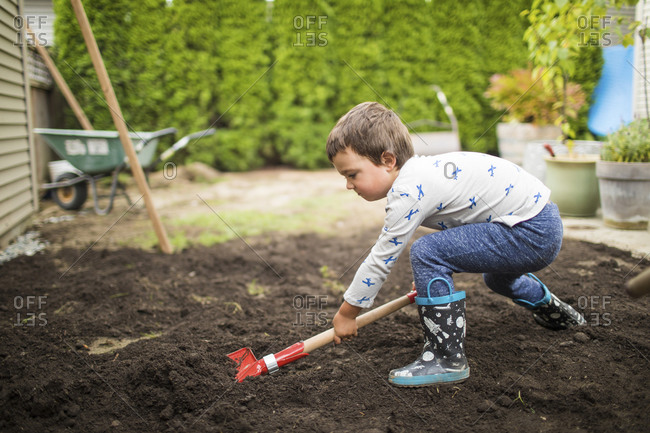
point(594, 230)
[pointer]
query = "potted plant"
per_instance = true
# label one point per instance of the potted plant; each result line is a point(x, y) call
point(532, 110)
point(572, 180)
point(624, 177)
point(554, 41)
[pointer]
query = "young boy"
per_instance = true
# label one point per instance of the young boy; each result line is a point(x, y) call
point(494, 218)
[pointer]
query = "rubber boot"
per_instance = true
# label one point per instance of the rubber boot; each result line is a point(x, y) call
point(443, 358)
point(550, 312)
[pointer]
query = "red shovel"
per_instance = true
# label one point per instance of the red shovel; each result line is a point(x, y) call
point(248, 365)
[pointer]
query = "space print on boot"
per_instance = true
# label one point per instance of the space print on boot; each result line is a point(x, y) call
point(443, 355)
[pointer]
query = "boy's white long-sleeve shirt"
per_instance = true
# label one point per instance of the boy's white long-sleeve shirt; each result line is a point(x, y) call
point(441, 192)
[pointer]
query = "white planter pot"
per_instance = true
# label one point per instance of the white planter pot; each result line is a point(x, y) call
point(513, 137)
point(624, 193)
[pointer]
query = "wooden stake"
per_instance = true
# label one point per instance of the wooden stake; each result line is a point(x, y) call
point(639, 285)
point(60, 82)
point(118, 120)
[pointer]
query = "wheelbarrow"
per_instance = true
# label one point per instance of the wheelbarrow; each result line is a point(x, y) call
point(436, 142)
point(93, 155)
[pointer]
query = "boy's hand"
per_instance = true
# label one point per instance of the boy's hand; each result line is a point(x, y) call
point(345, 322)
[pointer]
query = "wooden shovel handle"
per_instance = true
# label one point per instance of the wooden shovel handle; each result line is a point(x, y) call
point(639, 285)
point(327, 337)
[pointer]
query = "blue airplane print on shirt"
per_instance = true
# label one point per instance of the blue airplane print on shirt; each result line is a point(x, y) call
point(411, 213)
point(491, 170)
point(442, 225)
point(508, 188)
point(420, 193)
point(367, 282)
point(395, 242)
point(537, 197)
point(489, 218)
point(365, 298)
point(390, 259)
point(473, 202)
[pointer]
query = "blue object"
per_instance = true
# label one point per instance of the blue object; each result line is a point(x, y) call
point(532, 305)
point(612, 97)
point(445, 299)
point(430, 379)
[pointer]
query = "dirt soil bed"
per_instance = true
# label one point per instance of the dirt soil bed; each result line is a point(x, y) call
point(66, 363)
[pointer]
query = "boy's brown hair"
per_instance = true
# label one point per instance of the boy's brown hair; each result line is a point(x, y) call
point(370, 129)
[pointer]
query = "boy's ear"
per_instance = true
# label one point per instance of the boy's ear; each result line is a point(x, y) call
point(388, 159)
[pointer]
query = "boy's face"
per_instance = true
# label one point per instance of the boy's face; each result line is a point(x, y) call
point(370, 181)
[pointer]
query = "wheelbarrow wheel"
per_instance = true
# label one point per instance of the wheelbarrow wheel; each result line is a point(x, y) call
point(70, 197)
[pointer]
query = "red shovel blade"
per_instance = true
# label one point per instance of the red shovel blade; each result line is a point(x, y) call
point(242, 356)
point(247, 364)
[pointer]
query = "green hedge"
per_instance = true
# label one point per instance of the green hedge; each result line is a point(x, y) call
point(274, 78)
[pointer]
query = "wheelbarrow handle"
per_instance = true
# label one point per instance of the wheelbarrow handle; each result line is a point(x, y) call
point(201, 134)
point(182, 143)
point(162, 132)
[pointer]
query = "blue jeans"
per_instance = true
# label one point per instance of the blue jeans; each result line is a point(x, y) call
point(502, 254)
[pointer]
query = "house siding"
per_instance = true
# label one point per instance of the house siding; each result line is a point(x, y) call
point(18, 194)
point(641, 71)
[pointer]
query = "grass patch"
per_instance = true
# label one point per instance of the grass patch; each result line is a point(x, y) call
point(331, 281)
point(109, 345)
point(203, 300)
point(255, 289)
point(207, 228)
point(236, 308)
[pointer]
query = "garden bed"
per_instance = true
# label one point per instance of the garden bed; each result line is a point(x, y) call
point(130, 340)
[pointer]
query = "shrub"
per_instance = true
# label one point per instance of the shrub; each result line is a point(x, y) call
point(239, 66)
point(631, 143)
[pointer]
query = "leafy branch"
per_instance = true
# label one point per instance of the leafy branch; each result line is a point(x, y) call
point(558, 30)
